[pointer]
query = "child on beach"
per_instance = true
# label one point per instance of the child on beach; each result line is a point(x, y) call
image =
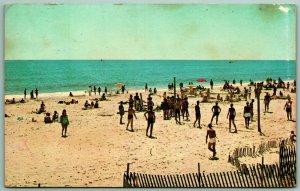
point(231, 114)
point(55, 116)
point(211, 134)
point(131, 113)
point(150, 120)
point(121, 112)
point(64, 123)
point(47, 118)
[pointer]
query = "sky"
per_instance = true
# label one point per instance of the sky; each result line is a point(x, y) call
point(143, 32)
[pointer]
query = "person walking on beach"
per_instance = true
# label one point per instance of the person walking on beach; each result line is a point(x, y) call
point(36, 93)
point(211, 84)
point(95, 90)
point(185, 109)
point(121, 112)
point(25, 93)
point(216, 111)
point(267, 100)
point(198, 114)
point(146, 87)
point(231, 114)
point(99, 90)
point(241, 82)
point(288, 109)
point(211, 134)
point(105, 90)
point(247, 114)
point(64, 123)
point(165, 107)
point(177, 111)
point(131, 113)
point(150, 120)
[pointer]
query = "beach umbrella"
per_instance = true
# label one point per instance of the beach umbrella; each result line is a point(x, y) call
point(201, 80)
point(120, 84)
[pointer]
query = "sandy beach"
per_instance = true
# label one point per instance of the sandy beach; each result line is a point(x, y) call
point(98, 148)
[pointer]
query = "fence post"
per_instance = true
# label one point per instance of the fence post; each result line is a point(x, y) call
point(199, 174)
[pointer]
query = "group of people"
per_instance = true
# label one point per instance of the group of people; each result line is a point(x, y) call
point(36, 91)
point(91, 105)
point(95, 90)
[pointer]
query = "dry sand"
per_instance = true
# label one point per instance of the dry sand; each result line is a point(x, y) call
point(97, 148)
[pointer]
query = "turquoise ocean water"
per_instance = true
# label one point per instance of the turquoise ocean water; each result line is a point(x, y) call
point(73, 75)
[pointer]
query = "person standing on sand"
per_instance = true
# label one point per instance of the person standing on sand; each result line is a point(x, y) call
point(105, 90)
point(25, 93)
point(31, 95)
point(121, 112)
point(267, 100)
point(211, 84)
point(231, 113)
point(136, 102)
point(247, 114)
point(131, 113)
point(216, 111)
point(146, 87)
point(36, 93)
point(177, 111)
point(288, 109)
point(211, 134)
point(150, 120)
point(64, 123)
point(198, 114)
point(185, 108)
point(99, 90)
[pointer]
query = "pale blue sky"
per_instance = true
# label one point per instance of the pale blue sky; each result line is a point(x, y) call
point(197, 32)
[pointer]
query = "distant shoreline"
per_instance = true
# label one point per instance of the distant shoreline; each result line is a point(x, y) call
point(130, 91)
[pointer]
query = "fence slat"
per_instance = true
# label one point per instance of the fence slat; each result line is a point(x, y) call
point(169, 180)
point(234, 184)
point(244, 180)
point(215, 179)
point(237, 180)
point(209, 181)
point(174, 181)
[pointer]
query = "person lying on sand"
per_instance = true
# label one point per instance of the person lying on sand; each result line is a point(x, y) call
point(13, 101)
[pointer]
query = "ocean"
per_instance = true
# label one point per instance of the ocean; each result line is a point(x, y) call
point(75, 75)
